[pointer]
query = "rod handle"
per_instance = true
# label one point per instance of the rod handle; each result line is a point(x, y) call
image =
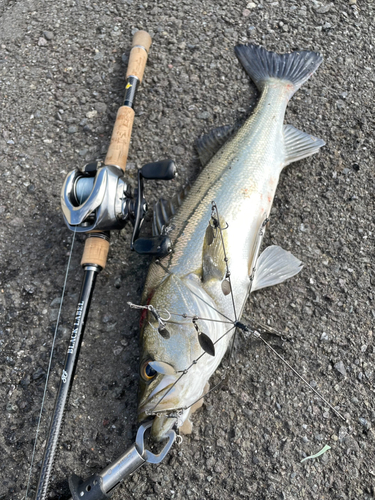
point(95, 251)
point(118, 150)
point(138, 54)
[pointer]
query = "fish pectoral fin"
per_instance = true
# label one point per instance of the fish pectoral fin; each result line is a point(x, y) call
point(213, 263)
point(299, 145)
point(274, 266)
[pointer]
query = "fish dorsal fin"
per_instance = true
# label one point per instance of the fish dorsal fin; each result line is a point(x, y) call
point(299, 145)
point(165, 209)
point(214, 266)
point(210, 143)
point(274, 266)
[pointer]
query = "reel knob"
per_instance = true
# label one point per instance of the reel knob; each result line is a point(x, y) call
point(164, 170)
point(159, 246)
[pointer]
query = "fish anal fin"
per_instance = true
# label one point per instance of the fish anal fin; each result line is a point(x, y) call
point(299, 145)
point(214, 266)
point(274, 266)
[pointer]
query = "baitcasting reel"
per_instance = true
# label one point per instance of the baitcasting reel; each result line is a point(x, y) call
point(98, 199)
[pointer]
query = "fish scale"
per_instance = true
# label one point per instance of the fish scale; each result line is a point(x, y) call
point(241, 179)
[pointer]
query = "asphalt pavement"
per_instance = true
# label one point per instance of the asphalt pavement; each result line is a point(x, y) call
point(62, 73)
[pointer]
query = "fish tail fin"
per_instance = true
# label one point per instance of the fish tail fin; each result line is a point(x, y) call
point(262, 65)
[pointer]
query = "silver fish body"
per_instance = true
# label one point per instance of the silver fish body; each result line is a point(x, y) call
point(242, 179)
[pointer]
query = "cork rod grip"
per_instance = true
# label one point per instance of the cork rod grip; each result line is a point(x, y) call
point(118, 150)
point(138, 55)
point(95, 252)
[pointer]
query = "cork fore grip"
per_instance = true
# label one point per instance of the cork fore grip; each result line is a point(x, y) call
point(95, 252)
point(118, 150)
point(138, 55)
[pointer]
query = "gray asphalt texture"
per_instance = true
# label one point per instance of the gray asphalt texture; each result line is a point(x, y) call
point(62, 80)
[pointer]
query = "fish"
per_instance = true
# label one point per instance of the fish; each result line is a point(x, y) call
point(194, 297)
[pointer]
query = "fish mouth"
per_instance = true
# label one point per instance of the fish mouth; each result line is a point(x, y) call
point(155, 405)
point(161, 426)
point(160, 399)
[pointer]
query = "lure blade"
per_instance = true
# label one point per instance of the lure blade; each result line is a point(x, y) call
point(164, 332)
point(206, 344)
point(209, 235)
point(226, 288)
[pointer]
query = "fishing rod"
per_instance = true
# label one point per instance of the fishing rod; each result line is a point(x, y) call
point(96, 200)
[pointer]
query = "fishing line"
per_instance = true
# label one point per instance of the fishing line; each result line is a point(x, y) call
point(179, 410)
point(227, 276)
point(208, 392)
point(184, 408)
point(303, 380)
point(224, 334)
point(267, 328)
point(258, 335)
point(183, 372)
point(223, 377)
point(151, 412)
point(255, 333)
point(184, 315)
point(212, 307)
point(198, 318)
point(50, 363)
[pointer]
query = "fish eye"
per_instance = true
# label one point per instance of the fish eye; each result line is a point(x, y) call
point(147, 372)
